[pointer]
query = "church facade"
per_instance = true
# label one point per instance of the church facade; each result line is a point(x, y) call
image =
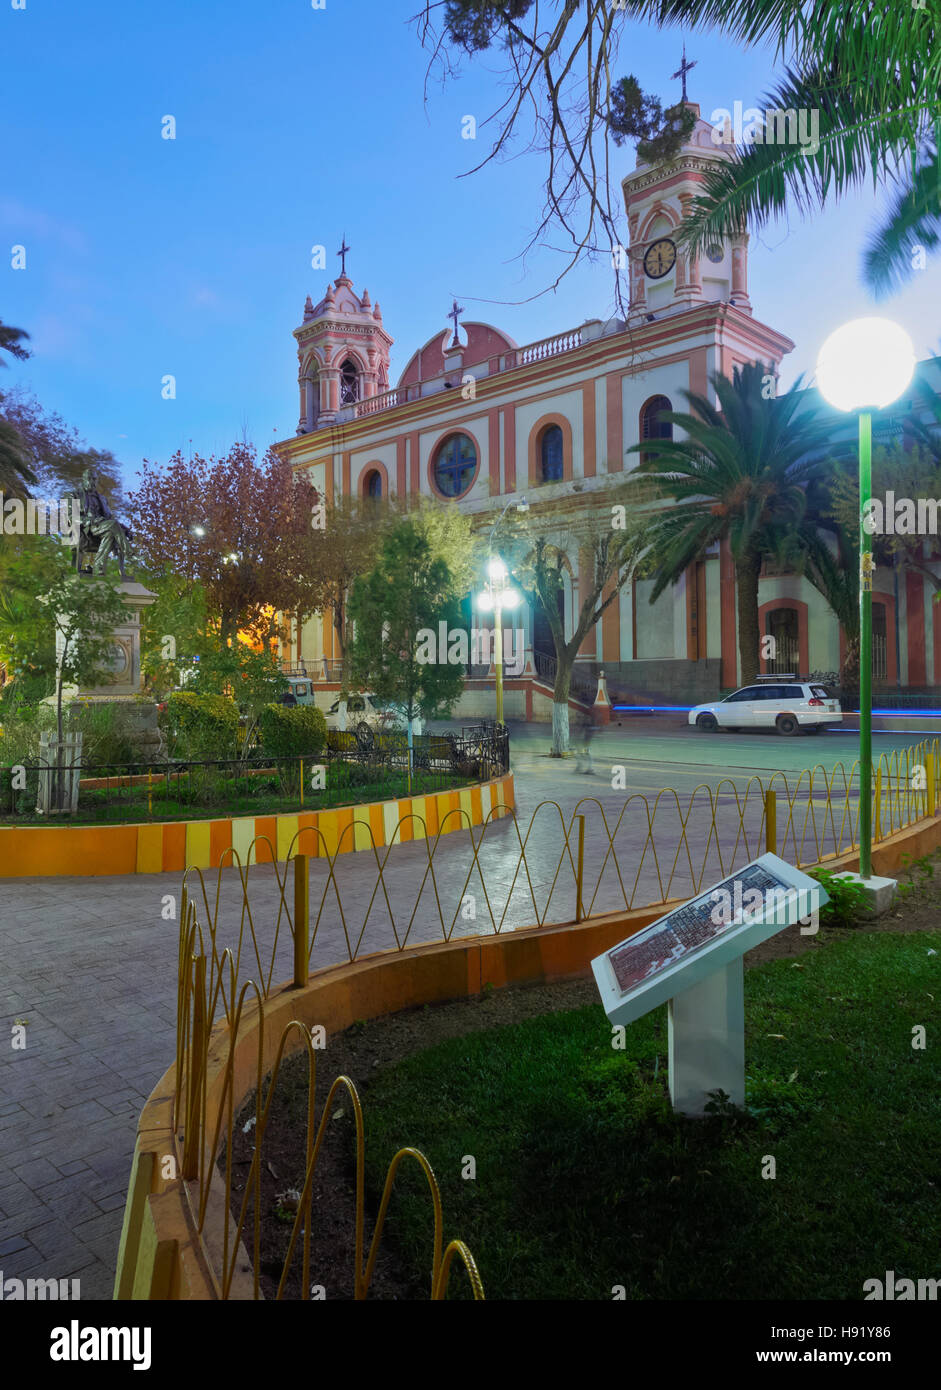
point(479, 420)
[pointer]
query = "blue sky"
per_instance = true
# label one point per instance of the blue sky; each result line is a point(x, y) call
point(192, 257)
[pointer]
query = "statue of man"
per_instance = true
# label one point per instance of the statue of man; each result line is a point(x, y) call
point(100, 533)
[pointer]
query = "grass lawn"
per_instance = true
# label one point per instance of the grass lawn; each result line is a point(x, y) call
point(247, 795)
point(586, 1180)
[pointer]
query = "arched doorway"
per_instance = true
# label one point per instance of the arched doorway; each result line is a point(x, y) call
point(783, 627)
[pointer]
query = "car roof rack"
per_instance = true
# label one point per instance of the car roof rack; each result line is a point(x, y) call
point(784, 676)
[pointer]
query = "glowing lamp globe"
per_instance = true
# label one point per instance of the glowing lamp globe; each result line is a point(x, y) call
point(509, 598)
point(496, 569)
point(485, 602)
point(865, 365)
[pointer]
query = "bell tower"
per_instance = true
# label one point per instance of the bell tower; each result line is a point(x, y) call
point(665, 278)
point(342, 353)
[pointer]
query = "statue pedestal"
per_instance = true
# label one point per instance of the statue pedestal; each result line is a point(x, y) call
point(122, 687)
point(124, 678)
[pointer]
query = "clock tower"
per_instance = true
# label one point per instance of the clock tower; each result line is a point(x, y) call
point(665, 278)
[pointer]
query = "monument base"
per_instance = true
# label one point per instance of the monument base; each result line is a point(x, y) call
point(880, 892)
point(136, 719)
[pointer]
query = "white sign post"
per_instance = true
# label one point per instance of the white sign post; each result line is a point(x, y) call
point(692, 959)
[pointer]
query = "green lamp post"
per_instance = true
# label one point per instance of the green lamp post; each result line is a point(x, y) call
point(865, 366)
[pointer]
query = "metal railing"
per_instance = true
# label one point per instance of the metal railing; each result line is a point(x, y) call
point(208, 1147)
point(652, 850)
point(582, 684)
point(356, 766)
point(554, 869)
point(786, 659)
point(524, 356)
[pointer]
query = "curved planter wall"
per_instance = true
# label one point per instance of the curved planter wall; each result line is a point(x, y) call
point(161, 1255)
point(172, 846)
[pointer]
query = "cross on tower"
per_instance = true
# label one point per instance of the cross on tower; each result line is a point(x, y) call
point(683, 69)
point(342, 254)
point(456, 309)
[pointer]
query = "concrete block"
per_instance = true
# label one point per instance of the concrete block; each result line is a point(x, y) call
point(881, 892)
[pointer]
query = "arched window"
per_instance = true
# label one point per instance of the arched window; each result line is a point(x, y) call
point(455, 464)
point(650, 426)
point(349, 383)
point(372, 484)
point(550, 454)
point(782, 624)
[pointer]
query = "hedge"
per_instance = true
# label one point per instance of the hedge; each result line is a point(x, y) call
point(206, 725)
point(292, 731)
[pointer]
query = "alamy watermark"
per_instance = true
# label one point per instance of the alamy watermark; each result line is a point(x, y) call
point(900, 516)
point(36, 517)
point(778, 906)
point(455, 647)
point(775, 126)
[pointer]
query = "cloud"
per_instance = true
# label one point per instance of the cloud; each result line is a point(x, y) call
point(23, 221)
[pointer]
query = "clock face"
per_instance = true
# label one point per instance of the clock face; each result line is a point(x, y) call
point(715, 253)
point(660, 258)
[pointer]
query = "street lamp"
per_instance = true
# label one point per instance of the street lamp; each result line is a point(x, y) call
point(864, 366)
point(496, 596)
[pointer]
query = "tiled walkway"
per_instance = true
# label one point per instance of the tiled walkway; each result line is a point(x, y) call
point(90, 965)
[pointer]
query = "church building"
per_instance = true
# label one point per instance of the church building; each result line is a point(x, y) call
point(478, 419)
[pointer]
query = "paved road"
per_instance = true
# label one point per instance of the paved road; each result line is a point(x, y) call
point(90, 963)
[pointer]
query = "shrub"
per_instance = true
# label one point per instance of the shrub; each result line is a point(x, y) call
point(104, 738)
point(292, 731)
point(204, 726)
point(20, 728)
point(849, 902)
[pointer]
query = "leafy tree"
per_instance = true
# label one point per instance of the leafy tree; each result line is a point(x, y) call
point(875, 85)
point(53, 452)
point(347, 548)
point(175, 629)
point(409, 590)
point(80, 615)
point(241, 528)
point(253, 678)
point(451, 537)
point(607, 548)
point(15, 472)
point(739, 475)
point(561, 75)
point(873, 78)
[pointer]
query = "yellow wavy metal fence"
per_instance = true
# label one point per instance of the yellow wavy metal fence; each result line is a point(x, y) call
point(206, 1144)
point(555, 868)
point(493, 879)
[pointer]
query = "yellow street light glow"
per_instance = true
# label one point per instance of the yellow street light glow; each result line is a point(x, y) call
point(865, 365)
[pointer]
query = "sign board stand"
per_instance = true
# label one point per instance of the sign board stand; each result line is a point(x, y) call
point(691, 960)
point(706, 1030)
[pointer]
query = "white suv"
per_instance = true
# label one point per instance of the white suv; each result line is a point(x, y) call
point(783, 704)
point(366, 710)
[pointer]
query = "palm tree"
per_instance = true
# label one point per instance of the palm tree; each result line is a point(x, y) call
point(14, 465)
point(829, 559)
point(10, 341)
point(739, 475)
point(874, 87)
point(14, 469)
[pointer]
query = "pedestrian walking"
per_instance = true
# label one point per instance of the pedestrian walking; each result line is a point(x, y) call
point(583, 759)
